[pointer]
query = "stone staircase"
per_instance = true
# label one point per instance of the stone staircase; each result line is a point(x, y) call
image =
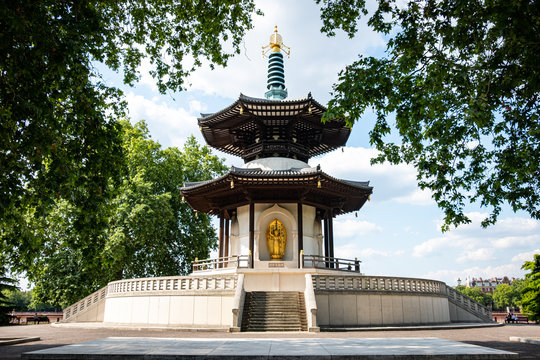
point(274, 311)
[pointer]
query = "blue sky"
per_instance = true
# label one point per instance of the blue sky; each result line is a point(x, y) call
point(398, 232)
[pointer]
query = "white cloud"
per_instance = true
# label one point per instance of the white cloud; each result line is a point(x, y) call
point(513, 241)
point(473, 244)
point(146, 78)
point(450, 276)
point(525, 256)
point(431, 246)
point(172, 126)
point(417, 197)
point(521, 225)
point(349, 228)
point(346, 251)
point(396, 183)
point(196, 107)
point(482, 254)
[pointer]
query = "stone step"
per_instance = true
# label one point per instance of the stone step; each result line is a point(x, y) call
point(275, 307)
point(275, 329)
point(276, 302)
point(274, 311)
point(283, 326)
point(254, 320)
point(253, 325)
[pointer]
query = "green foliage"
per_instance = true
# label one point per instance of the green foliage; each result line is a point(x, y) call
point(60, 139)
point(143, 230)
point(6, 284)
point(461, 79)
point(518, 285)
point(18, 300)
point(149, 207)
point(506, 296)
point(25, 301)
point(476, 294)
point(530, 294)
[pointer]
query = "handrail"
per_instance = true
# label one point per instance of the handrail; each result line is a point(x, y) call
point(172, 285)
point(235, 261)
point(468, 303)
point(378, 284)
point(89, 301)
point(327, 262)
point(311, 304)
point(238, 304)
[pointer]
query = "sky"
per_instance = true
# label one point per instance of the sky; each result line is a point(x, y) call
point(397, 233)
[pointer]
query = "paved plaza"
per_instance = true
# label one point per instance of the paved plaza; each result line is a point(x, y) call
point(395, 344)
point(318, 348)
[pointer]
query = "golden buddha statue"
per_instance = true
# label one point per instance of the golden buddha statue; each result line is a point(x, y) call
point(276, 239)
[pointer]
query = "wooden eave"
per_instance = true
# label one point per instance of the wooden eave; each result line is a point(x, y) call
point(249, 124)
point(241, 186)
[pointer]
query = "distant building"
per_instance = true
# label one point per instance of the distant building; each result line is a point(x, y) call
point(488, 285)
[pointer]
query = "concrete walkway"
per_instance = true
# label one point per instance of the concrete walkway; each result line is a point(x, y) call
point(118, 326)
point(492, 337)
point(351, 348)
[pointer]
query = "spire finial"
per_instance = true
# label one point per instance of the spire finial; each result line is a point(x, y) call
point(276, 72)
point(276, 44)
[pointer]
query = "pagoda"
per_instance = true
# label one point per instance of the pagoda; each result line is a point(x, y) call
point(276, 269)
point(276, 191)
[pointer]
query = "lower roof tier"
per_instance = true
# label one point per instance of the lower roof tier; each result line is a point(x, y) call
point(309, 186)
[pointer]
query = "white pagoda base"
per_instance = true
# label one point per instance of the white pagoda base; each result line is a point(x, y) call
point(214, 299)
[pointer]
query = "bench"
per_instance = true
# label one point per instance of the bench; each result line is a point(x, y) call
point(38, 319)
point(520, 319)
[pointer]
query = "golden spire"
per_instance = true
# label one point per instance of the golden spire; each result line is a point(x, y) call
point(276, 44)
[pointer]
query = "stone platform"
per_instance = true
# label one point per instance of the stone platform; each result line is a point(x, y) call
point(319, 348)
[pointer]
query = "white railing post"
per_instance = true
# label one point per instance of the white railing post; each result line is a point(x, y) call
point(238, 304)
point(311, 305)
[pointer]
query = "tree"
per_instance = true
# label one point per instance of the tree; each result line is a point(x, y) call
point(151, 231)
point(530, 295)
point(506, 296)
point(144, 230)
point(18, 300)
point(461, 79)
point(59, 134)
point(476, 294)
point(6, 284)
point(24, 301)
point(518, 285)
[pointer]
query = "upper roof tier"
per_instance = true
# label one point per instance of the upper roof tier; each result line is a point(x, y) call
point(258, 128)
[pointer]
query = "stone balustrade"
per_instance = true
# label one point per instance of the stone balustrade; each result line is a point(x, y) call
point(86, 303)
point(172, 285)
point(326, 262)
point(235, 261)
point(468, 304)
point(377, 283)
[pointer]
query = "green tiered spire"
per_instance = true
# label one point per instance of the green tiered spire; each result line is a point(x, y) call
point(276, 73)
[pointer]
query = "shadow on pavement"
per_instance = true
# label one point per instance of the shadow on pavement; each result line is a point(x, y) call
point(14, 351)
point(525, 351)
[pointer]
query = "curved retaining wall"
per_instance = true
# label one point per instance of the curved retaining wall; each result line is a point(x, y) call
point(379, 301)
point(185, 301)
point(335, 300)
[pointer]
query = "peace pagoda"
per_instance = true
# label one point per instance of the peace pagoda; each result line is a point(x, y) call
point(275, 269)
